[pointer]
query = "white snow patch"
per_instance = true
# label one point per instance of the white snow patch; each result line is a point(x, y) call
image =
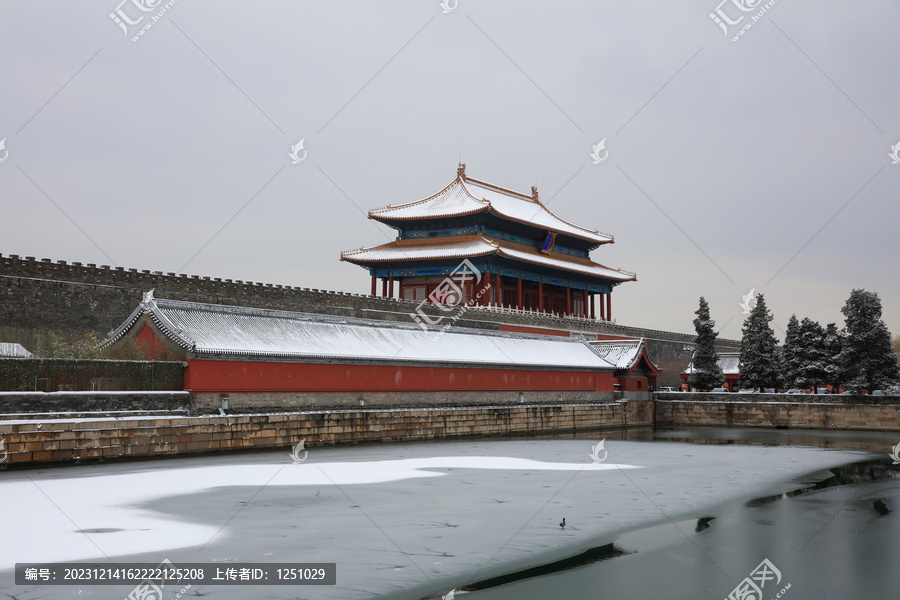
point(54, 512)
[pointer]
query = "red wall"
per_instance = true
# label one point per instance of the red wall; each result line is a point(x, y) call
point(631, 383)
point(239, 376)
point(537, 330)
point(151, 347)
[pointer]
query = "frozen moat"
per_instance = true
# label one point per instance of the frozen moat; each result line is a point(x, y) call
point(679, 514)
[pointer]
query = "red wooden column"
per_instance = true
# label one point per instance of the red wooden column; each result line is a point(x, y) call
point(477, 289)
point(609, 307)
point(602, 307)
point(497, 297)
point(540, 296)
point(384, 287)
point(485, 298)
point(584, 296)
point(593, 313)
point(519, 293)
point(568, 301)
point(374, 285)
point(391, 287)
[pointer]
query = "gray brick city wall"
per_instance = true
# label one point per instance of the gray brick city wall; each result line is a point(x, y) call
point(12, 403)
point(71, 299)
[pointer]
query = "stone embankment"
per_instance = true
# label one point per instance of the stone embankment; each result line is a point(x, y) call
point(62, 441)
point(816, 411)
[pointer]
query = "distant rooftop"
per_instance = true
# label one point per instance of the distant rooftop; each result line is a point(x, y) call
point(10, 350)
point(729, 362)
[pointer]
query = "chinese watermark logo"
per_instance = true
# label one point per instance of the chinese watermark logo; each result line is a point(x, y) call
point(295, 455)
point(724, 20)
point(751, 588)
point(4, 455)
point(895, 153)
point(448, 5)
point(600, 147)
point(450, 295)
point(895, 455)
point(595, 452)
point(149, 589)
point(749, 301)
point(6, 152)
point(124, 20)
point(296, 159)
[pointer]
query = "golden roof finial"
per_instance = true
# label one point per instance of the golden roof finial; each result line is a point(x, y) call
point(534, 193)
point(461, 170)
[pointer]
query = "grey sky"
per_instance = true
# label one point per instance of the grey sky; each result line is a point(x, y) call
point(749, 147)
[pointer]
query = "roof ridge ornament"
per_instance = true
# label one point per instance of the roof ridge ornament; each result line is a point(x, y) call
point(461, 171)
point(534, 193)
point(149, 301)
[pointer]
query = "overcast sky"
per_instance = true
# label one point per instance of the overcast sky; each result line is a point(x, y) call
point(758, 163)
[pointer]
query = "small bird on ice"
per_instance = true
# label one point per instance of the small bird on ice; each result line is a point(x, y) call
point(563, 524)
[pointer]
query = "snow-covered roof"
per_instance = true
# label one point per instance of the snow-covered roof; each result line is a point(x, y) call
point(8, 349)
point(465, 196)
point(623, 354)
point(477, 245)
point(729, 362)
point(213, 329)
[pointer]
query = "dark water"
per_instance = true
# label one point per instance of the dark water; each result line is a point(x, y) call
point(831, 534)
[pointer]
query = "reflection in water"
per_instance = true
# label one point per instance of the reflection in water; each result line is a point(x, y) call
point(869, 470)
point(872, 441)
point(833, 535)
point(703, 524)
point(594, 555)
point(853, 473)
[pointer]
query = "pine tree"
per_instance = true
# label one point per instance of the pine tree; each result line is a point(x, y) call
point(868, 359)
point(789, 362)
point(706, 373)
point(760, 360)
point(812, 355)
point(834, 343)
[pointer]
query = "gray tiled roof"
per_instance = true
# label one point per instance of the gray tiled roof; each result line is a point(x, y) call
point(13, 350)
point(624, 354)
point(729, 362)
point(213, 329)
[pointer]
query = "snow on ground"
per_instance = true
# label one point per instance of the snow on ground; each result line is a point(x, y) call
point(399, 520)
point(75, 503)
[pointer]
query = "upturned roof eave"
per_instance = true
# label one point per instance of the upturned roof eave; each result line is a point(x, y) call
point(382, 215)
point(497, 249)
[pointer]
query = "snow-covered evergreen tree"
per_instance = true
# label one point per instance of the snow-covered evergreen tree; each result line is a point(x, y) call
point(868, 359)
point(707, 373)
point(760, 359)
point(812, 356)
point(789, 353)
point(834, 343)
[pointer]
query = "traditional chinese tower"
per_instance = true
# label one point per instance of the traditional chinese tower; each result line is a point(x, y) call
point(530, 258)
